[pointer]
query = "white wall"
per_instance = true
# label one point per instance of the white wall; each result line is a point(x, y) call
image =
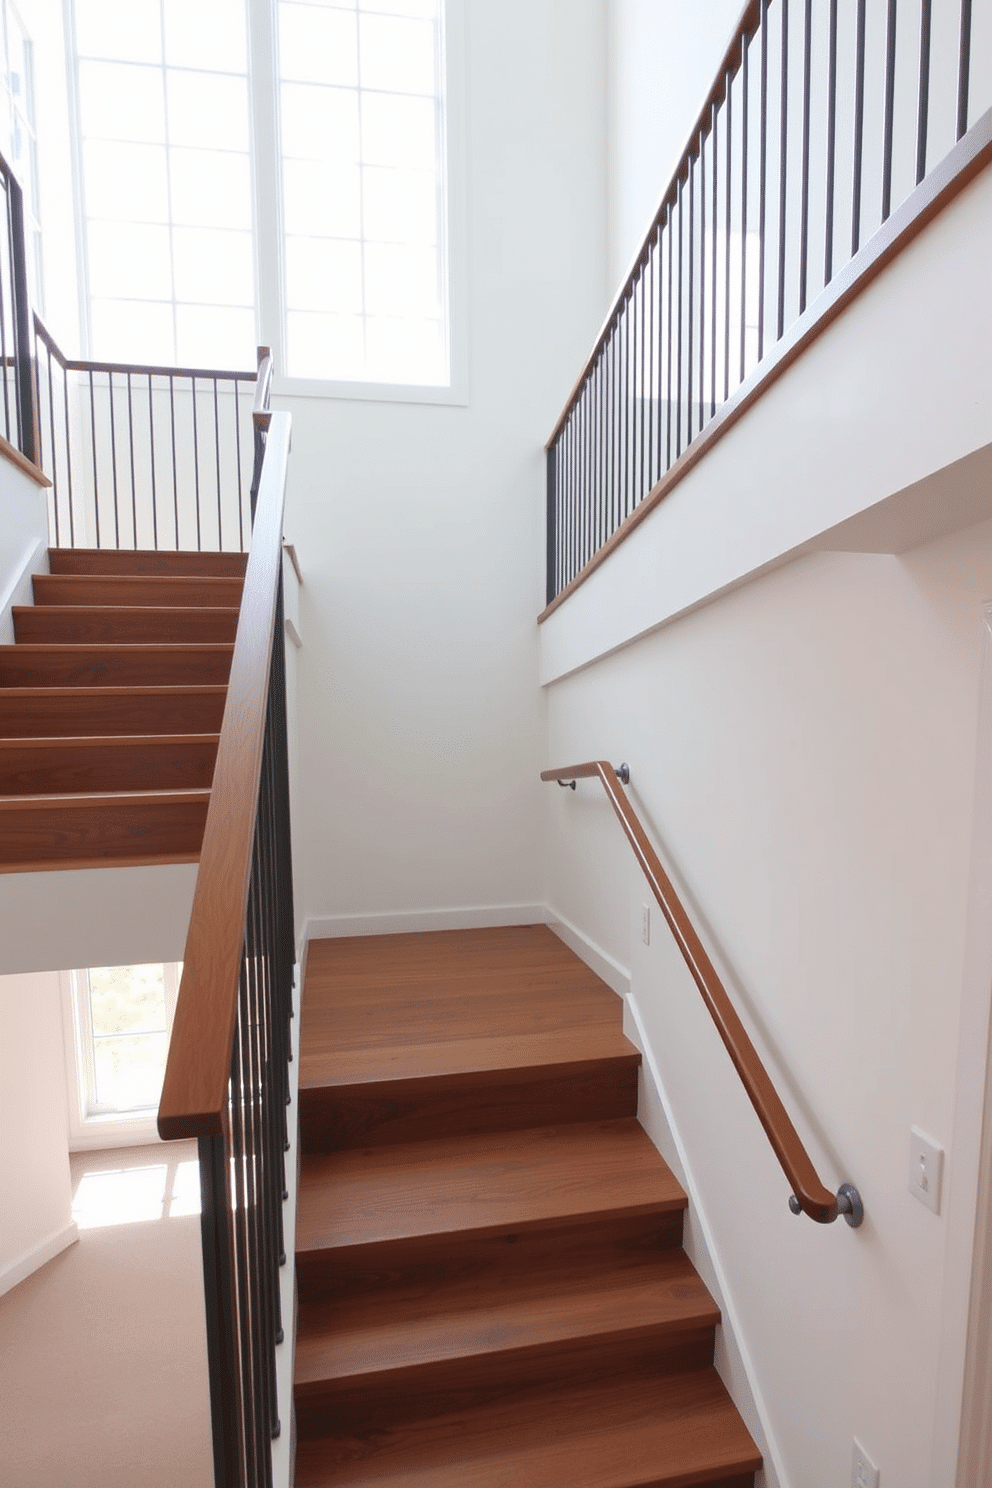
point(662, 63)
point(23, 540)
point(420, 528)
point(804, 752)
point(36, 1212)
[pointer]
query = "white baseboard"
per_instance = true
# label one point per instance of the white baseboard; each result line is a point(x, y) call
point(31, 1260)
point(599, 961)
point(406, 922)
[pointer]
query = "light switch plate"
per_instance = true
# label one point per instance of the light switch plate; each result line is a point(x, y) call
point(926, 1168)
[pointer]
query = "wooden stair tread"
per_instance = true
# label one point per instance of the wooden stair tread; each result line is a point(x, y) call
point(672, 1432)
point(71, 712)
point(117, 590)
point(481, 1183)
point(145, 561)
point(124, 622)
point(559, 1049)
point(96, 663)
point(121, 762)
point(456, 1317)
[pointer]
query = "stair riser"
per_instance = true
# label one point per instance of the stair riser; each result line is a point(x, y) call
point(391, 1399)
point(55, 836)
point(145, 561)
point(115, 666)
point(83, 624)
point(35, 769)
point(611, 1241)
point(52, 715)
point(98, 589)
point(478, 1101)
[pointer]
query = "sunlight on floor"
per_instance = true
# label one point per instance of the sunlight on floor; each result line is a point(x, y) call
point(136, 1195)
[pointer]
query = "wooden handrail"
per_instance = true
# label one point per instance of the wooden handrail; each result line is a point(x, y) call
point(195, 1091)
point(138, 369)
point(260, 412)
point(809, 1195)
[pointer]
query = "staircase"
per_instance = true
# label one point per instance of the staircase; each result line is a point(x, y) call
point(492, 1290)
point(111, 704)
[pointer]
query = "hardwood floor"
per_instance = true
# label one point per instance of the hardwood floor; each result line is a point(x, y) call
point(111, 700)
point(492, 1288)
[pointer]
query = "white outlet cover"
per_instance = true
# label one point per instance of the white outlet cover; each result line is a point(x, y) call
point(864, 1473)
point(926, 1169)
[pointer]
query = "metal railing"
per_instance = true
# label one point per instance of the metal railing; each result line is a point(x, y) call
point(820, 120)
point(226, 1080)
point(809, 1195)
point(18, 419)
point(143, 456)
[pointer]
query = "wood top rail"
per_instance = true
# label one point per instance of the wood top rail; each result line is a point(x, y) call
point(809, 1195)
point(195, 1091)
point(139, 369)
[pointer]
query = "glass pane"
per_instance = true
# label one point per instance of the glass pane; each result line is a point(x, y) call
point(206, 33)
point(209, 110)
point(213, 267)
point(319, 123)
point(132, 331)
point(401, 279)
point(210, 188)
point(129, 260)
point(125, 182)
point(121, 102)
point(129, 1070)
point(130, 30)
point(397, 55)
point(324, 274)
point(323, 201)
point(406, 351)
point(127, 999)
point(331, 346)
point(318, 45)
point(215, 336)
point(400, 206)
point(429, 8)
point(398, 131)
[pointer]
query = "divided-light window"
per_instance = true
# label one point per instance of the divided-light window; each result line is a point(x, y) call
point(184, 233)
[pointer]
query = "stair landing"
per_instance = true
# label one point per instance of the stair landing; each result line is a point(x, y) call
point(491, 1281)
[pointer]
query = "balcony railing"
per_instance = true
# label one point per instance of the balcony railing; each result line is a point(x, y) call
point(821, 120)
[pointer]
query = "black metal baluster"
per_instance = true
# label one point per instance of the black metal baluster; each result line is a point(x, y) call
point(196, 465)
point(678, 335)
point(220, 518)
point(890, 93)
point(745, 124)
point(134, 487)
point(783, 164)
point(239, 1206)
point(828, 236)
point(96, 482)
point(626, 408)
point(924, 95)
point(964, 68)
point(51, 423)
point(6, 188)
point(551, 553)
point(762, 176)
point(68, 456)
point(859, 126)
point(113, 459)
point(691, 290)
point(237, 461)
point(175, 468)
point(729, 208)
point(669, 338)
point(216, 1242)
point(804, 205)
point(716, 200)
point(151, 460)
point(644, 484)
point(702, 277)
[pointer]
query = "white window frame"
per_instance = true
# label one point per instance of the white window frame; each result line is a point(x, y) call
point(267, 223)
point(89, 1128)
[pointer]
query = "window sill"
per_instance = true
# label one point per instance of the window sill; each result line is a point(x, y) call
point(454, 395)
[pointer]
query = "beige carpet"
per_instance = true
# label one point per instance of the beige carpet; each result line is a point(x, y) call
point(103, 1375)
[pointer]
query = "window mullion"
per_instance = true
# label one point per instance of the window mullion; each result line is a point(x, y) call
point(263, 90)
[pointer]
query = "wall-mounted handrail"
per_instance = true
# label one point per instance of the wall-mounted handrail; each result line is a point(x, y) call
point(809, 1195)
